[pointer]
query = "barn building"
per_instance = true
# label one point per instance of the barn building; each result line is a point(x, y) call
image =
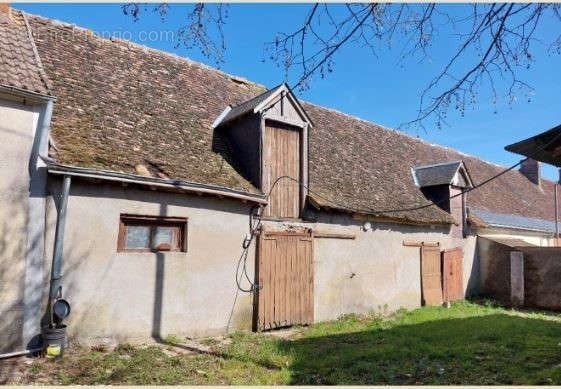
point(179, 199)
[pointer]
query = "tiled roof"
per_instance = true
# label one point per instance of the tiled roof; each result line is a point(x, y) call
point(120, 104)
point(361, 164)
point(494, 219)
point(20, 66)
point(249, 105)
point(440, 174)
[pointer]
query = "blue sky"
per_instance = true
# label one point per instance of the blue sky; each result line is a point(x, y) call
point(372, 88)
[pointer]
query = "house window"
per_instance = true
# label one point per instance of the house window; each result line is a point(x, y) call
point(152, 234)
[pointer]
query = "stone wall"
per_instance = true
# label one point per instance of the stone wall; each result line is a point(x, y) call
point(542, 277)
point(541, 271)
point(494, 260)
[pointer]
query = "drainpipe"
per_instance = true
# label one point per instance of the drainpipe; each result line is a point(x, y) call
point(556, 216)
point(44, 129)
point(57, 251)
point(20, 353)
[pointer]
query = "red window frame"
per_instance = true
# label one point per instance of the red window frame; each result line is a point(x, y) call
point(178, 225)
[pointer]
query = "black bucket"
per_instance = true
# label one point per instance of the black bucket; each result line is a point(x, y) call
point(54, 341)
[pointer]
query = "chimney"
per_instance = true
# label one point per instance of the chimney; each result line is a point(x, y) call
point(531, 169)
point(5, 13)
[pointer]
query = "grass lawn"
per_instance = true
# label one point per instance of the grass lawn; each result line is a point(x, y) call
point(465, 344)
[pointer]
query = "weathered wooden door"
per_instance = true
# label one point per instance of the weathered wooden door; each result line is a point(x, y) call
point(431, 279)
point(286, 280)
point(452, 274)
point(281, 152)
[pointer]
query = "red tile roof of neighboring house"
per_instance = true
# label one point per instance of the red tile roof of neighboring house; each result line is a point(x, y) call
point(120, 104)
point(20, 66)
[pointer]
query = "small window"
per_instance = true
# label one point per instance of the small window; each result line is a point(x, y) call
point(152, 234)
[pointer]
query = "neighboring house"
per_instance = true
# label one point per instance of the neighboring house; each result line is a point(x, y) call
point(537, 232)
point(174, 164)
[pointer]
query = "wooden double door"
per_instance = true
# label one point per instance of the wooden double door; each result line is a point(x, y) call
point(285, 276)
point(441, 275)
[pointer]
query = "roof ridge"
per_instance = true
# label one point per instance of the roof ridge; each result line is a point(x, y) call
point(258, 95)
point(401, 133)
point(148, 48)
point(436, 165)
point(36, 56)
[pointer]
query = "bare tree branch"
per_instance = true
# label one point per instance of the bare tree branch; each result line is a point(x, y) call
point(501, 38)
point(203, 27)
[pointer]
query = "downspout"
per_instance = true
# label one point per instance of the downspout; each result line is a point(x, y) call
point(464, 214)
point(56, 269)
point(44, 128)
point(556, 216)
point(20, 353)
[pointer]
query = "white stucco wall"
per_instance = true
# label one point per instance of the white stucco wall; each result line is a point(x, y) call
point(21, 222)
point(117, 296)
point(128, 296)
point(375, 272)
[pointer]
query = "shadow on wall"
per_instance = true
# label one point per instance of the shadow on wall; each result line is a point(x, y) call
point(159, 289)
point(159, 277)
point(243, 158)
point(13, 228)
point(143, 194)
point(158, 303)
point(14, 248)
point(477, 350)
point(473, 286)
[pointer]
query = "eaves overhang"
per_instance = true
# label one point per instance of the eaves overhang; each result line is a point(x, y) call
point(544, 147)
point(517, 228)
point(25, 94)
point(491, 219)
point(154, 183)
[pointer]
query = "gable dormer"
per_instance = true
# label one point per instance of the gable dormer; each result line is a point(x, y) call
point(269, 134)
point(445, 184)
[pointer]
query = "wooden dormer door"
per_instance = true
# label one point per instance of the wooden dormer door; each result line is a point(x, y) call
point(282, 157)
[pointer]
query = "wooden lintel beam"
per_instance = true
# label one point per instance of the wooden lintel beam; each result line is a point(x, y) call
point(420, 244)
point(333, 235)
